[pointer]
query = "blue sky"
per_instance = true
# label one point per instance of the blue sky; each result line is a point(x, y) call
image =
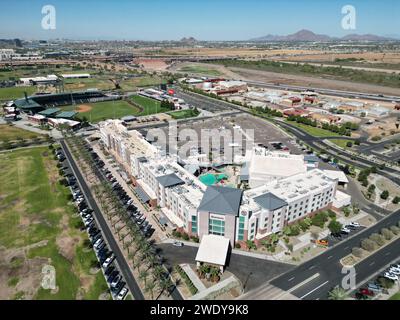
point(202, 19)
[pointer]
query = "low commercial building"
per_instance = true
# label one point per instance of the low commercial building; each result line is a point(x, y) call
point(50, 79)
point(76, 76)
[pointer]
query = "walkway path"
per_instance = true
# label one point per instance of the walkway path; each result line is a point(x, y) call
point(193, 277)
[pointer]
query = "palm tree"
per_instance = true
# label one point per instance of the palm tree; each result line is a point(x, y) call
point(337, 293)
point(164, 284)
point(158, 272)
point(149, 288)
point(143, 276)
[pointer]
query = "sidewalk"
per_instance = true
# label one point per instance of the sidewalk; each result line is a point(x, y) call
point(193, 277)
point(220, 285)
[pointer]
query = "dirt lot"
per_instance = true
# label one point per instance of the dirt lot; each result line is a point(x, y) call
point(272, 77)
point(383, 127)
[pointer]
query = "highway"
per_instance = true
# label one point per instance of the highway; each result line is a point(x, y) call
point(109, 237)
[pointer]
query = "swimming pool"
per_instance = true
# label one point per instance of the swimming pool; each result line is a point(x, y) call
point(210, 179)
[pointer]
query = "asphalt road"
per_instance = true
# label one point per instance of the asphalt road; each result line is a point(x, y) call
point(328, 267)
point(109, 237)
point(251, 271)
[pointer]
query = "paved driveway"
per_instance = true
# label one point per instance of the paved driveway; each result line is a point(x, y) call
point(252, 272)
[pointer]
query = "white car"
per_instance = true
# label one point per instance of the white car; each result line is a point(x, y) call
point(108, 261)
point(394, 271)
point(121, 295)
point(355, 224)
point(178, 244)
point(391, 276)
point(345, 230)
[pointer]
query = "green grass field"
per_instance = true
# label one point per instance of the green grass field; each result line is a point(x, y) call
point(12, 133)
point(316, 132)
point(13, 93)
point(35, 212)
point(183, 114)
point(149, 106)
point(200, 70)
point(134, 83)
point(395, 297)
point(340, 142)
point(105, 110)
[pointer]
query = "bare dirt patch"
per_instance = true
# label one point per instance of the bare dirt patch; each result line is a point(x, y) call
point(65, 243)
point(28, 272)
point(84, 108)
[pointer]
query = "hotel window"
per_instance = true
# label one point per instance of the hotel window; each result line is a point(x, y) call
point(241, 228)
point(194, 224)
point(216, 227)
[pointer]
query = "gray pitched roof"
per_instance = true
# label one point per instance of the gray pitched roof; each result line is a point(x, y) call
point(169, 180)
point(222, 200)
point(270, 201)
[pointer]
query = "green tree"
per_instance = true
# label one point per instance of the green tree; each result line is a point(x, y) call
point(335, 226)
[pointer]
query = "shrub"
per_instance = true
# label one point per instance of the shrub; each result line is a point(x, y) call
point(294, 230)
point(319, 219)
point(195, 239)
point(396, 200)
point(395, 230)
point(303, 226)
point(377, 238)
point(331, 214)
point(357, 252)
point(385, 283)
point(368, 245)
point(387, 234)
point(385, 195)
point(176, 234)
point(185, 236)
point(237, 245)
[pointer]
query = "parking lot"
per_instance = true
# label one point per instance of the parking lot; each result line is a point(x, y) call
point(344, 234)
point(379, 284)
point(99, 242)
point(264, 133)
point(211, 105)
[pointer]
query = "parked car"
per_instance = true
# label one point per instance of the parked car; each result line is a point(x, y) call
point(374, 287)
point(394, 271)
point(177, 244)
point(111, 277)
point(355, 224)
point(115, 281)
point(366, 292)
point(108, 261)
point(109, 270)
point(121, 295)
point(391, 276)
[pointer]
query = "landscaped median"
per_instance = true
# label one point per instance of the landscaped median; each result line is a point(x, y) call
point(370, 245)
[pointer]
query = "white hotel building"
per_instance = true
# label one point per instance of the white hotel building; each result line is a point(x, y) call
point(200, 210)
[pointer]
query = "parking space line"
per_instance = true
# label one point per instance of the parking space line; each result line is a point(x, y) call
point(291, 279)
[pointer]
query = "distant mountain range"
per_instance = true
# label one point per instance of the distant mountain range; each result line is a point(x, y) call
point(307, 35)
